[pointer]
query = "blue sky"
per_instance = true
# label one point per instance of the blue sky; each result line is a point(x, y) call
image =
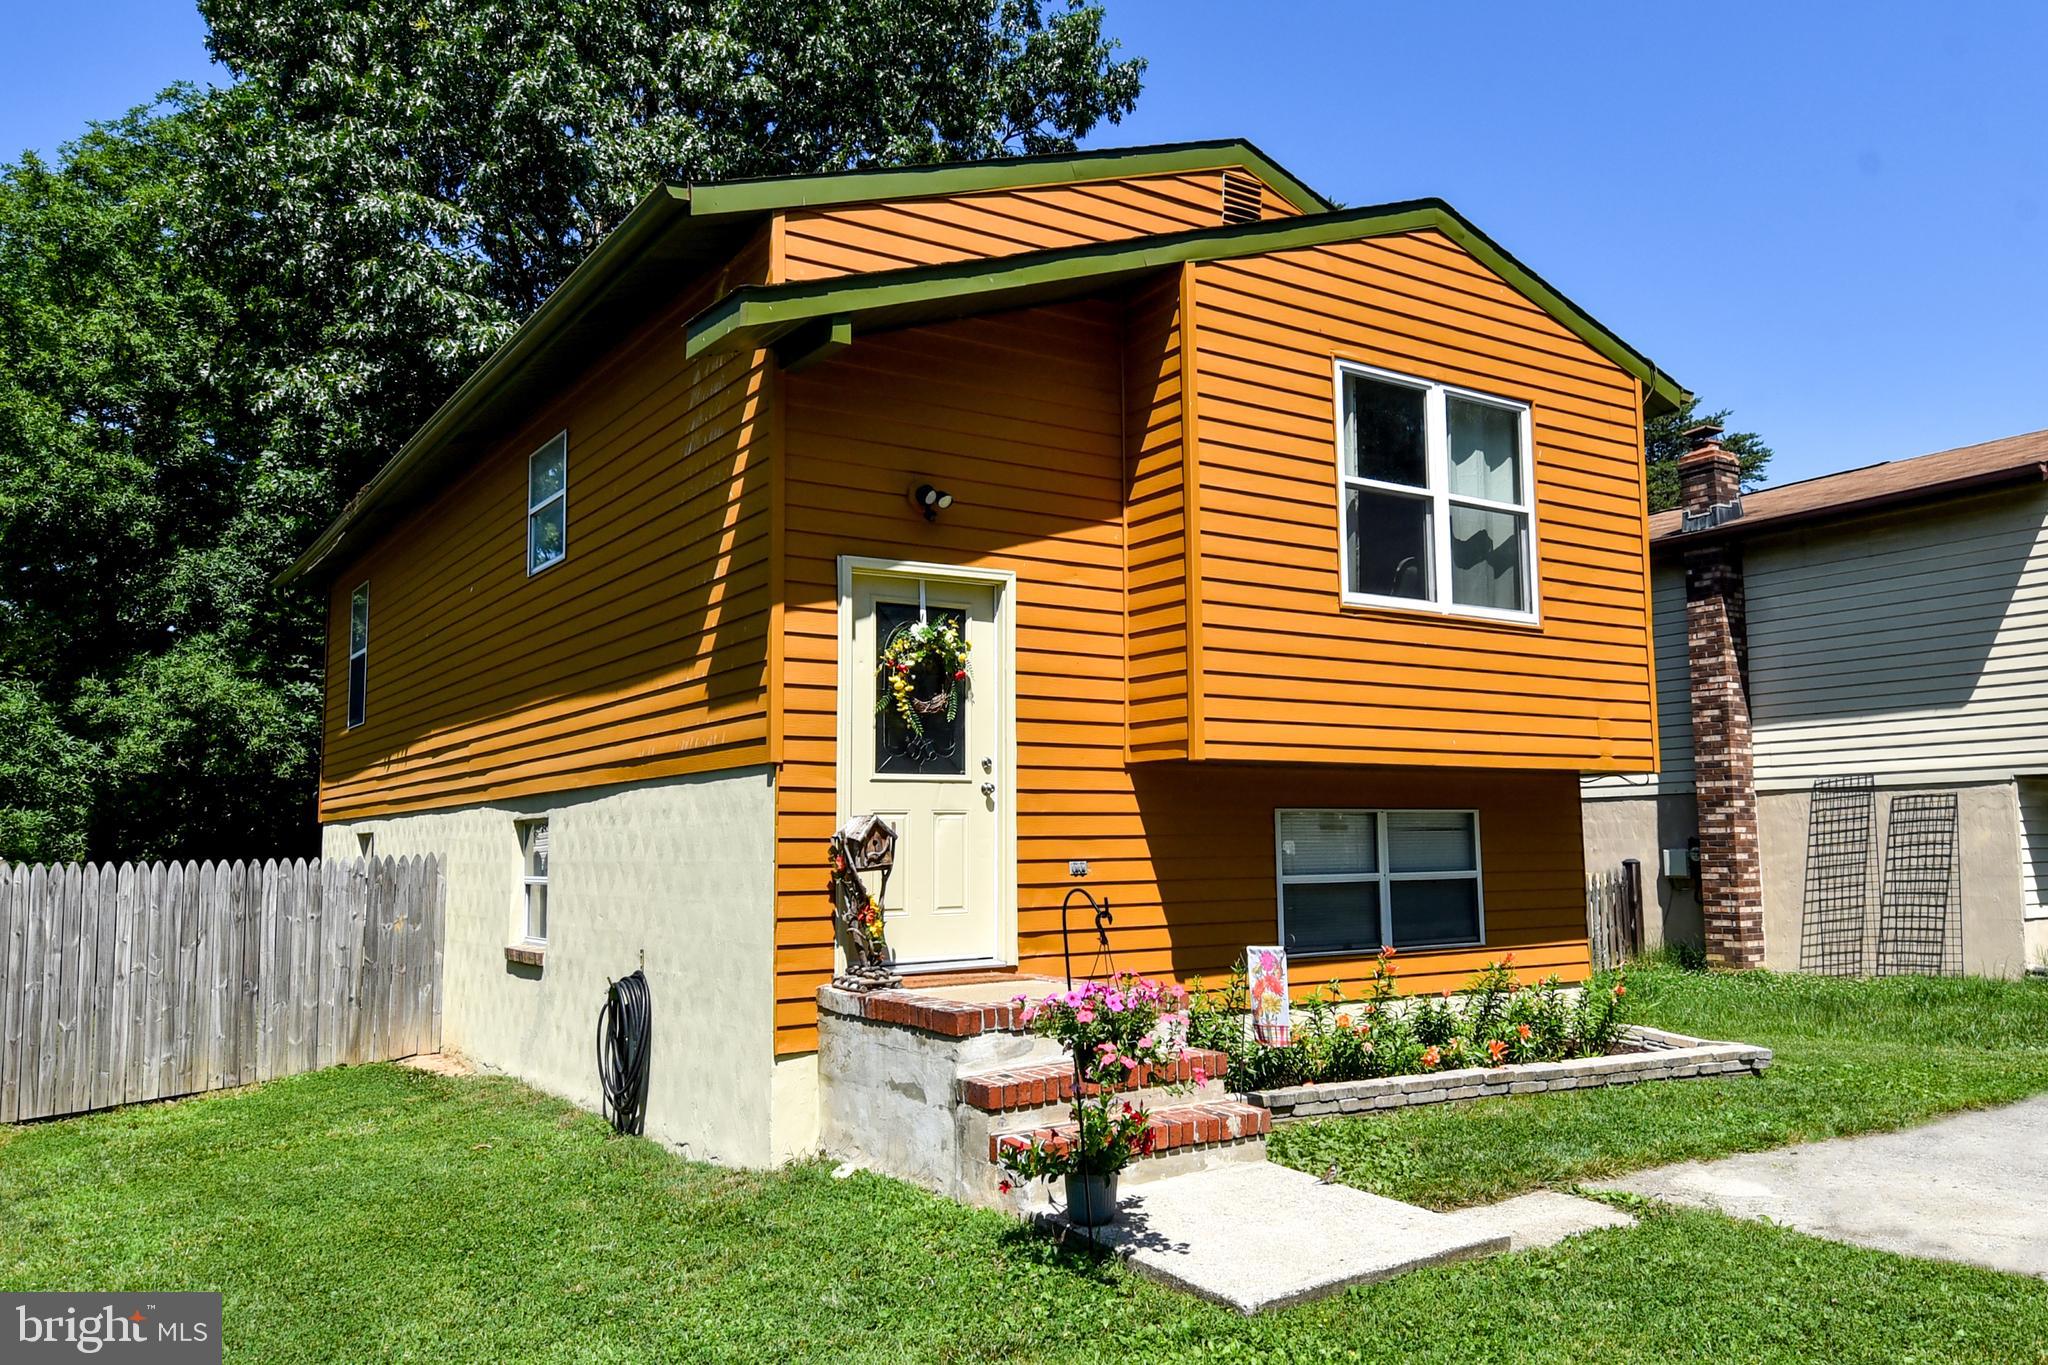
point(1833, 219)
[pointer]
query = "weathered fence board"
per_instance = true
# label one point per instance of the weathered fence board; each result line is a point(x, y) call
point(1614, 916)
point(138, 982)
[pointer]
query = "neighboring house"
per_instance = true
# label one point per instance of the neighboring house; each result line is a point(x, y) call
point(1888, 623)
point(1301, 552)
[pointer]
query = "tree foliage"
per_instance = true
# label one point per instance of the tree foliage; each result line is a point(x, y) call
point(220, 313)
point(1664, 441)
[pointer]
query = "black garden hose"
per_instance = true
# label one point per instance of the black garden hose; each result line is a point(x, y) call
point(625, 1031)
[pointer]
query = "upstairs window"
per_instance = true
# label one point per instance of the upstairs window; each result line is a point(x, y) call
point(1437, 498)
point(533, 856)
point(547, 504)
point(358, 654)
point(1354, 881)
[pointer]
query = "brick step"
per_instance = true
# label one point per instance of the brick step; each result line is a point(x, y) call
point(1003, 1089)
point(1213, 1123)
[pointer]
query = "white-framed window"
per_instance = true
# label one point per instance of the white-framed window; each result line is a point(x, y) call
point(1436, 498)
point(1354, 881)
point(533, 878)
point(358, 655)
point(547, 504)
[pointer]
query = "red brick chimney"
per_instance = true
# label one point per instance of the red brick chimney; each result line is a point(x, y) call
point(1724, 776)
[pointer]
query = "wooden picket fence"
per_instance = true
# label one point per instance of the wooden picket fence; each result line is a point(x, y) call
point(140, 982)
point(1614, 915)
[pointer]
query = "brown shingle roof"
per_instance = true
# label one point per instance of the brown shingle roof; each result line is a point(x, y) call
point(2010, 459)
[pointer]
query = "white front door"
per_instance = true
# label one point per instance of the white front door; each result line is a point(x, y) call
point(936, 782)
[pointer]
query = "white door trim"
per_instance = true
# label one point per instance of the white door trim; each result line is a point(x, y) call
point(1005, 584)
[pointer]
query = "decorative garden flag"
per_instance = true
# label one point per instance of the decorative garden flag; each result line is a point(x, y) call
point(1266, 985)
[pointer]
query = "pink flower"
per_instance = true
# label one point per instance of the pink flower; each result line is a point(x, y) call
point(1084, 1015)
point(1199, 1076)
point(1130, 1063)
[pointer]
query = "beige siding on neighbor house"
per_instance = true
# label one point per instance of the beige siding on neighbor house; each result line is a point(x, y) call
point(1674, 697)
point(1912, 646)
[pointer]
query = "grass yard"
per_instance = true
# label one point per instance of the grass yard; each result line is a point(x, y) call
point(381, 1213)
point(1851, 1057)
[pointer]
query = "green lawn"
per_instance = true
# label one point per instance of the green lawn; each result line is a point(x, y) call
point(1851, 1057)
point(376, 1213)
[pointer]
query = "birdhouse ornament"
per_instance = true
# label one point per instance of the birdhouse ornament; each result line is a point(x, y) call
point(864, 844)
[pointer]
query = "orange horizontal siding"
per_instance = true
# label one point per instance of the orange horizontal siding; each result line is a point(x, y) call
point(644, 653)
point(1183, 851)
point(896, 234)
point(1287, 672)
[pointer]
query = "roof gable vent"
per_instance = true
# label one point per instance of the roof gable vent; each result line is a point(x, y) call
point(1242, 202)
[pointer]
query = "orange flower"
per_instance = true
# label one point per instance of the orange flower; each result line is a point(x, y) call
point(1523, 1029)
point(1506, 960)
point(1496, 1049)
point(1430, 1057)
point(1620, 991)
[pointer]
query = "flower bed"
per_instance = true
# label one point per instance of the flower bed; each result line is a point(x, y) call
point(1390, 1051)
point(1496, 1023)
point(1644, 1055)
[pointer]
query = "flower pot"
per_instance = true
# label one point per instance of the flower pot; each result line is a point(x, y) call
point(1091, 1199)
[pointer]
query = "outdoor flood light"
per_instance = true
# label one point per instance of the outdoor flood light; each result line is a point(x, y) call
point(930, 501)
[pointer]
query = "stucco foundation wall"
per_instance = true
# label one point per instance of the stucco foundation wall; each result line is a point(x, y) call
point(680, 869)
point(1987, 846)
point(1641, 827)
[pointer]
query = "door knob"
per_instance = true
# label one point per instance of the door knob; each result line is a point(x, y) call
point(988, 789)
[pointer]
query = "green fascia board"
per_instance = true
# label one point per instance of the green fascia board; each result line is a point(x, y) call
point(757, 315)
point(672, 209)
point(967, 177)
point(638, 232)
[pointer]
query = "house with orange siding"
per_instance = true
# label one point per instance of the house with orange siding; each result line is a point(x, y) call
point(1299, 553)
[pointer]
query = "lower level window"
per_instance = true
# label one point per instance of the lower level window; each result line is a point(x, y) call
point(533, 853)
point(1360, 880)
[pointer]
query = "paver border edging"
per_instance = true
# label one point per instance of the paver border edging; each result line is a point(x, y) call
point(1652, 1055)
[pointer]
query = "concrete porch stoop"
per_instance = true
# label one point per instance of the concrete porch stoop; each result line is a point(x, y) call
point(928, 1083)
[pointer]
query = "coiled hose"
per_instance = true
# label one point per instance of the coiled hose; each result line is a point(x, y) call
point(625, 1031)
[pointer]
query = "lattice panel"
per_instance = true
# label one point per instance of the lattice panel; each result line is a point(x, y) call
point(1834, 934)
point(1920, 927)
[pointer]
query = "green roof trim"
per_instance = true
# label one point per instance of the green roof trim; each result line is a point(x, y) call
point(681, 228)
point(760, 315)
point(1015, 172)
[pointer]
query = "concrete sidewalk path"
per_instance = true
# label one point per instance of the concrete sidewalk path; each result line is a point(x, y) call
point(1970, 1188)
point(1259, 1236)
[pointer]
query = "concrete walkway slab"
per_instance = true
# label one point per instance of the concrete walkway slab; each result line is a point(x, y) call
point(1542, 1219)
point(1971, 1188)
point(1262, 1236)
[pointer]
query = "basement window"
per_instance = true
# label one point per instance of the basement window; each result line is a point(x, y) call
point(1436, 497)
point(1354, 881)
point(358, 655)
point(533, 856)
point(547, 505)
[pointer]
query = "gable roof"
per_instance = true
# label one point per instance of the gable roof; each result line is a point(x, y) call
point(761, 315)
point(680, 231)
point(1924, 478)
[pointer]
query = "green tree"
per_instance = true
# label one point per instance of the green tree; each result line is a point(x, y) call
point(221, 313)
point(1664, 441)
